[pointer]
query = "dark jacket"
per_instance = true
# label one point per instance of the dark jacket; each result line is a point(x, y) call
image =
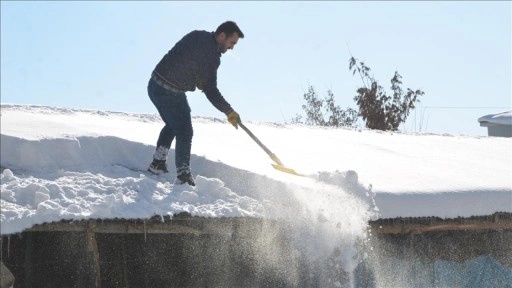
point(193, 62)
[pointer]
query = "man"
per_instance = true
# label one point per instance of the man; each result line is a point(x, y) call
point(191, 63)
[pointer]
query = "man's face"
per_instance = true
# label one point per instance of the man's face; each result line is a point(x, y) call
point(225, 42)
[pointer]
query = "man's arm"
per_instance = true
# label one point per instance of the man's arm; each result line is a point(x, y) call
point(209, 86)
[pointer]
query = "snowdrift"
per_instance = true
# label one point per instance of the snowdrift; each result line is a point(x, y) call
point(71, 163)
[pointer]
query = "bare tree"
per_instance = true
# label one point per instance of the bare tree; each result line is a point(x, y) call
point(334, 115)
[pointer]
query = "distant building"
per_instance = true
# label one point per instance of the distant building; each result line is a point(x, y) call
point(498, 125)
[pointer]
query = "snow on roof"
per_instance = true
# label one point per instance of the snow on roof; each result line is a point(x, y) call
point(79, 164)
point(504, 118)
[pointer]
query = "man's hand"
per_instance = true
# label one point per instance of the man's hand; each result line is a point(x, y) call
point(234, 119)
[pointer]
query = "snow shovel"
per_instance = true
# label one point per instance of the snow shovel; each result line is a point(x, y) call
point(279, 165)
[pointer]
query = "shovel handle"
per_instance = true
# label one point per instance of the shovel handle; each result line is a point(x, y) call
point(269, 153)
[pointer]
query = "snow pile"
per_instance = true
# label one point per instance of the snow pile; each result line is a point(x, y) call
point(75, 164)
point(79, 195)
point(104, 177)
point(62, 163)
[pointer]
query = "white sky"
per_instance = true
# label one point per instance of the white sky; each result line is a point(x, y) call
point(99, 54)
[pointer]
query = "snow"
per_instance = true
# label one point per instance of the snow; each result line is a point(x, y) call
point(504, 118)
point(61, 163)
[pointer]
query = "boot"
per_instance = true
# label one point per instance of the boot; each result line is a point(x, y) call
point(185, 177)
point(158, 167)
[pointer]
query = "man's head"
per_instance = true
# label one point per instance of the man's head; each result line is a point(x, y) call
point(227, 35)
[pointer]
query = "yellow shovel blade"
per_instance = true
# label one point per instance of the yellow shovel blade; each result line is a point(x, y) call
point(286, 170)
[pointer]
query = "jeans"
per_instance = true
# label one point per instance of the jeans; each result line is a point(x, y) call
point(175, 112)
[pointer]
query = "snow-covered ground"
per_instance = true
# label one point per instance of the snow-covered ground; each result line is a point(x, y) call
point(74, 164)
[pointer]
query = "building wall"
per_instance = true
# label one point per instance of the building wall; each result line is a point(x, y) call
point(255, 253)
point(500, 131)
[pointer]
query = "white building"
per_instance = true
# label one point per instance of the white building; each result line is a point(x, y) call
point(499, 125)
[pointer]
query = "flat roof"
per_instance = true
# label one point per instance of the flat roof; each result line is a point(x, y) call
point(503, 118)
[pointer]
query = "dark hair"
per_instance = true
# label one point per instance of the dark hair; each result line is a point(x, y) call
point(229, 27)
